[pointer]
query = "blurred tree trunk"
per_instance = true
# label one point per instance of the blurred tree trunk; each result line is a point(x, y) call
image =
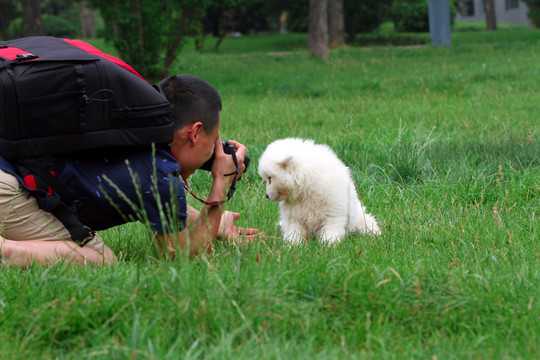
point(31, 18)
point(172, 47)
point(491, 18)
point(88, 22)
point(7, 13)
point(336, 23)
point(224, 22)
point(318, 28)
point(350, 26)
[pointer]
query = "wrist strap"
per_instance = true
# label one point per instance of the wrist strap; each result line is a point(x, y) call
point(186, 187)
point(231, 191)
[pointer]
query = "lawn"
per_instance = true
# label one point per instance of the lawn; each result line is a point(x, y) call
point(444, 146)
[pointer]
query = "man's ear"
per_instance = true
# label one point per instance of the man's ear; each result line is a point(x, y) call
point(193, 131)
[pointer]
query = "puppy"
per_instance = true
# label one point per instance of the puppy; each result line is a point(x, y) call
point(315, 191)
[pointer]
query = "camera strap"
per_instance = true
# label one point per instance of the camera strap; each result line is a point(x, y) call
point(230, 193)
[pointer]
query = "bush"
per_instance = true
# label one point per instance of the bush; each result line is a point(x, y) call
point(298, 16)
point(360, 16)
point(365, 16)
point(52, 26)
point(410, 15)
point(59, 27)
point(413, 15)
point(15, 28)
point(534, 11)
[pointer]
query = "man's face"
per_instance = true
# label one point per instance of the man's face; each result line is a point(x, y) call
point(206, 144)
point(193, 146)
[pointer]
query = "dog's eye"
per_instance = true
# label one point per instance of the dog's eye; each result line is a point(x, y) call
point(269, 180)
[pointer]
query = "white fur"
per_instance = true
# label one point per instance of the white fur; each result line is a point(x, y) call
point(315, 191)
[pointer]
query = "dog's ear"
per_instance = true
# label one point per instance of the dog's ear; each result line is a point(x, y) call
point(286, 163)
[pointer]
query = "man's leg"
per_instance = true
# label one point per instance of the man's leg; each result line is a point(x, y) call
point(34, 234)
point(23, 253)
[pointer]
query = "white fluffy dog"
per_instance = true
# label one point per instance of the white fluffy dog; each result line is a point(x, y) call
point(315, 192)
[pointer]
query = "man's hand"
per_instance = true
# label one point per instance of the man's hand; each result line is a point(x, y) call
point(241, 152)
point(227, 229)
point(223, 163)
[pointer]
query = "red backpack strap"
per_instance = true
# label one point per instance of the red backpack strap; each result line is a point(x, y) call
point(95, 51)
point(13, 53)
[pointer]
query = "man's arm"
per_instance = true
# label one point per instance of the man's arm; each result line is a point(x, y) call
point(192, 215)
point(23, 252)
point(227, 228)
point(202, 229)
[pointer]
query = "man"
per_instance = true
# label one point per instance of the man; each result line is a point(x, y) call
point(143, 185)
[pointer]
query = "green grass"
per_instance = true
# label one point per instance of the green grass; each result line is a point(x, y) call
point(443, 145)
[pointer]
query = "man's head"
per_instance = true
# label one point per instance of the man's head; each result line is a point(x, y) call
point(192, 99)
point(196, 114)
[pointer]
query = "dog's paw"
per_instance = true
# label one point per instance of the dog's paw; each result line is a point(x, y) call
point(293, 237)
point(374, 231)
point(371, 229)
point(331, 236)
point(368, 225)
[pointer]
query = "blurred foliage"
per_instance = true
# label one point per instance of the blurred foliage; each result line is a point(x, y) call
point(413, 15)
point(60, 18)
point(148, 33)
point(54, 25)
point(10, 9)
point(410, 15)
point(365, 16)
point(534, 11)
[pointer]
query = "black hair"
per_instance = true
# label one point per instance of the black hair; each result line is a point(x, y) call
point(192, 99)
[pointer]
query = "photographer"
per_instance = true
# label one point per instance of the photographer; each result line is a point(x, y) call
point(139, 185)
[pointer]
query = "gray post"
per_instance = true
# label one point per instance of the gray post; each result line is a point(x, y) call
point(439, 22)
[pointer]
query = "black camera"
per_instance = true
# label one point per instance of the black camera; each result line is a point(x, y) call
point(228, 148)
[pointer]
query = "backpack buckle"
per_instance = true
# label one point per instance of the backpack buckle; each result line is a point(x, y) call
point(23, 57)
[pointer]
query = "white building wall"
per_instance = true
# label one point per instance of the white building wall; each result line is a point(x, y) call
point(513, 16)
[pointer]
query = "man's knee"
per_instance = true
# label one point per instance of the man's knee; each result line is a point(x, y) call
point(20, 216)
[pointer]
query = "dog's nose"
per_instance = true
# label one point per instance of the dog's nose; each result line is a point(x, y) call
point(268, 197)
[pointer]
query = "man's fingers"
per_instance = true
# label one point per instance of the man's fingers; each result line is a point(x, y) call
point(241, 150)
point(248, 238)
point(218, 146)
point(248, 231)
point(242, 170)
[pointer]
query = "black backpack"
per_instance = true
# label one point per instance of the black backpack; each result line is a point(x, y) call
point(62, 96)
point(59, 95)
